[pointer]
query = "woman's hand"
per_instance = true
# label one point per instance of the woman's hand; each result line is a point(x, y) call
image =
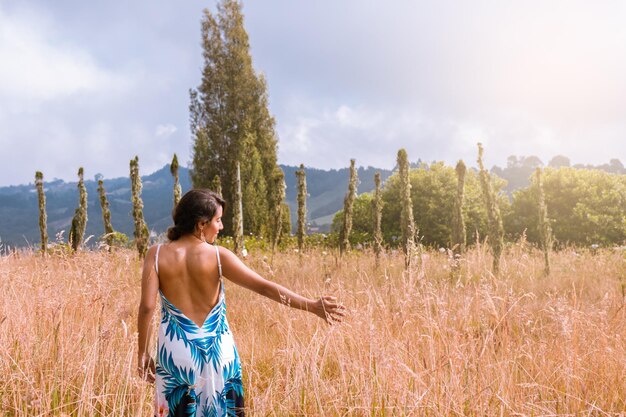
point(328, 309)
point(146, 368)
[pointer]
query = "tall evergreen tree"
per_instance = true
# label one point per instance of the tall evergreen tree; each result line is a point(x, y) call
point(230, 120)
point(407, 222)
point(377, 211)
point(545, 231)
point(174, 171)
point(237, 214)
point(459, 238)
point(79, 221)
point(43, 223)
point(106, 215)
point(348, 204)
point(141, 228)
point(301, 207)
point(496, 230)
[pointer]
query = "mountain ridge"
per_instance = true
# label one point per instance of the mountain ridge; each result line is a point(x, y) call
point(19, 210)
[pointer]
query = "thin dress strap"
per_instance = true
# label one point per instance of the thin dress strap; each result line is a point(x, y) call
point(219, 264)
point(156, 259)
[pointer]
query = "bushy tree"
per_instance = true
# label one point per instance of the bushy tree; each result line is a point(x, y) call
point(545, 231)
point(586, 207)
point(230, 120)
point(433, 192)
point(363, 226)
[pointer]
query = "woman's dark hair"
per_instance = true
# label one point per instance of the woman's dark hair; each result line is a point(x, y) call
point(196, 205)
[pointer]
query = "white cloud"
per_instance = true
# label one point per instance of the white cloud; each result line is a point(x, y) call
point(164, 131)
point(37, 66)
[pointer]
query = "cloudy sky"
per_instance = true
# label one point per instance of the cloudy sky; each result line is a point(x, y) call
point(94, 83)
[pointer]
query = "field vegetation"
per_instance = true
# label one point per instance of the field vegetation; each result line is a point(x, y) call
point(419, 343)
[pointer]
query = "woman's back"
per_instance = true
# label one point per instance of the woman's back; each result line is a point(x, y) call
point(189, 277)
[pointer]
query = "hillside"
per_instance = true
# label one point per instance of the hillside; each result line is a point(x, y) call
point(326, 189)
point(19, 209)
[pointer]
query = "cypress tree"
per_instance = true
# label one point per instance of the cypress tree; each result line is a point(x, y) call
point(174, 171)
point(301, 207)
point(407, 222)
point(238, 214)
point(545, 231)
point(230, 120)
point(459, 238)
point(276, 203)
point(106, 215)
point(79, 221)
point(141, 228)
point(43, 226)
point(496, 231)
point(348, 204)
point(377, 211)
point(216, 185)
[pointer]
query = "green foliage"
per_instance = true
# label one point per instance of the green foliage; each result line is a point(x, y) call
point(41, 197)
point(141, 228)
point(348, 202)
point(114, 240)
point(301, 175)
point(433, 191)
point(216, 185)
point(459, 233)
point(79, 221)
point(230, 120)
point(585, 206)
point(362, 224)
point(544, 229)
point(285, 222)
point(177, 188)
point(494, 219)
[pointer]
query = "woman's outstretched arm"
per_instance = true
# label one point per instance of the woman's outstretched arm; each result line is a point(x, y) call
point(234, 269)
point(147, 306)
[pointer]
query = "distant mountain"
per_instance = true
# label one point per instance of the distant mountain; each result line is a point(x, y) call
point(326, 190)
point(19, 213)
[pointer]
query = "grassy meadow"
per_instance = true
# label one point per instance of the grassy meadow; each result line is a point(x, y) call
point(423, 344)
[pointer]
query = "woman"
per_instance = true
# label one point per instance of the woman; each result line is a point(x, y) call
point(198, 372)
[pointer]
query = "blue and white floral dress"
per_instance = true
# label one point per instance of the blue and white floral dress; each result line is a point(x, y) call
point(198, 372)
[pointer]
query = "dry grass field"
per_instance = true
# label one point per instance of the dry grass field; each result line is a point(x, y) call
point(420, 344)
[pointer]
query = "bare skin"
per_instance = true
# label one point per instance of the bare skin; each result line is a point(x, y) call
point(189, 279)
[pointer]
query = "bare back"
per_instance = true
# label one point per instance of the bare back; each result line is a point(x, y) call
point(189, 277)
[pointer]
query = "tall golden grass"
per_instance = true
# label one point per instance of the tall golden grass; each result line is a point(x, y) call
point(424, 343)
